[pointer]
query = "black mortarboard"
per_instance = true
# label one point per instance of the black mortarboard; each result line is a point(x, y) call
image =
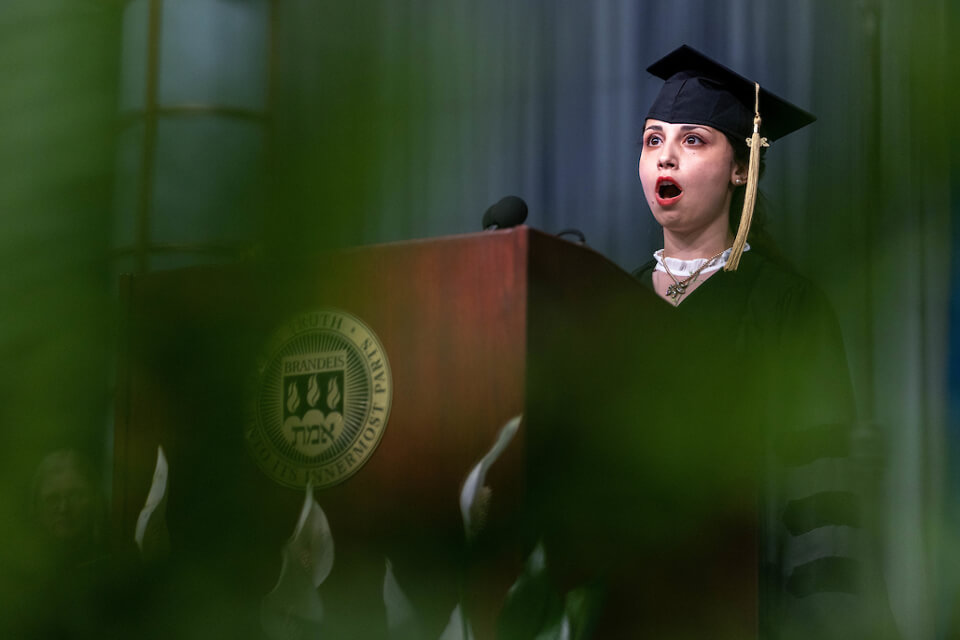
point(699, 90)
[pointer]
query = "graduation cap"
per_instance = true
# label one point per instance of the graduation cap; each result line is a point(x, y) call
point(699, 90)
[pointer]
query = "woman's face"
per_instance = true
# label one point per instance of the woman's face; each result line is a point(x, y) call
point(688, 173)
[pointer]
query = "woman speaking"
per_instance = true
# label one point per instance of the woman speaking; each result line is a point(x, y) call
point(703, 146)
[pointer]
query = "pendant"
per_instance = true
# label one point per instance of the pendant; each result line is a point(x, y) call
point(677, 290)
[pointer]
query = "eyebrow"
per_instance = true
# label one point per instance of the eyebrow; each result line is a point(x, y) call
point(686, 127)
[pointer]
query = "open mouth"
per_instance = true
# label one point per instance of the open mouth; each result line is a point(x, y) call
point(668, 191)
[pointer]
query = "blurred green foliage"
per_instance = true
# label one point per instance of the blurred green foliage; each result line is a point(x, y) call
point(57, 105)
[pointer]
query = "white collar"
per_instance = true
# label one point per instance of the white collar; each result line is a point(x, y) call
point(683, 268)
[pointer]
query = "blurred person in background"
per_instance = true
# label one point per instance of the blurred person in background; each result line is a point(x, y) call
point(69, 512)
point(74, 586)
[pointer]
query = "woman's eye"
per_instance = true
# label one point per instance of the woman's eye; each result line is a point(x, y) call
point(693, 140)
point(652, 141)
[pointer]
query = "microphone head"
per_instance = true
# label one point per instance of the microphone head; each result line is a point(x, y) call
point(508, 212)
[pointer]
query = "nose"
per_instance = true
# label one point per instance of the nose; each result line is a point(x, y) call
point(666, 158)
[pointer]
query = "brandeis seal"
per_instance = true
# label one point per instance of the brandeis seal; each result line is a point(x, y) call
point(321, 399)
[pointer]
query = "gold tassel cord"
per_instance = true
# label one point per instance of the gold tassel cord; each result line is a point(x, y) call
point(755, 142)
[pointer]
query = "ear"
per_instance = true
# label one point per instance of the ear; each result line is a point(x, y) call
point(738, 176)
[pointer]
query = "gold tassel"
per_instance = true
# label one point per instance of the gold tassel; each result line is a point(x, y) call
point(750, 196)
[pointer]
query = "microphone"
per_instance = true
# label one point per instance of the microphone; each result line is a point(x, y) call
point(508, 212)
point(582, 239)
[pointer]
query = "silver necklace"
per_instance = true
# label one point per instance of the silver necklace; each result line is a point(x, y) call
point(679, 287)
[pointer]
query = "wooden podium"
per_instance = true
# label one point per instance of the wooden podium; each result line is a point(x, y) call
point(477, 328)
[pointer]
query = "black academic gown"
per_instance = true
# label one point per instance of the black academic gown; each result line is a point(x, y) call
point(775, 331)
point(782, 330)
point(695, 457)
